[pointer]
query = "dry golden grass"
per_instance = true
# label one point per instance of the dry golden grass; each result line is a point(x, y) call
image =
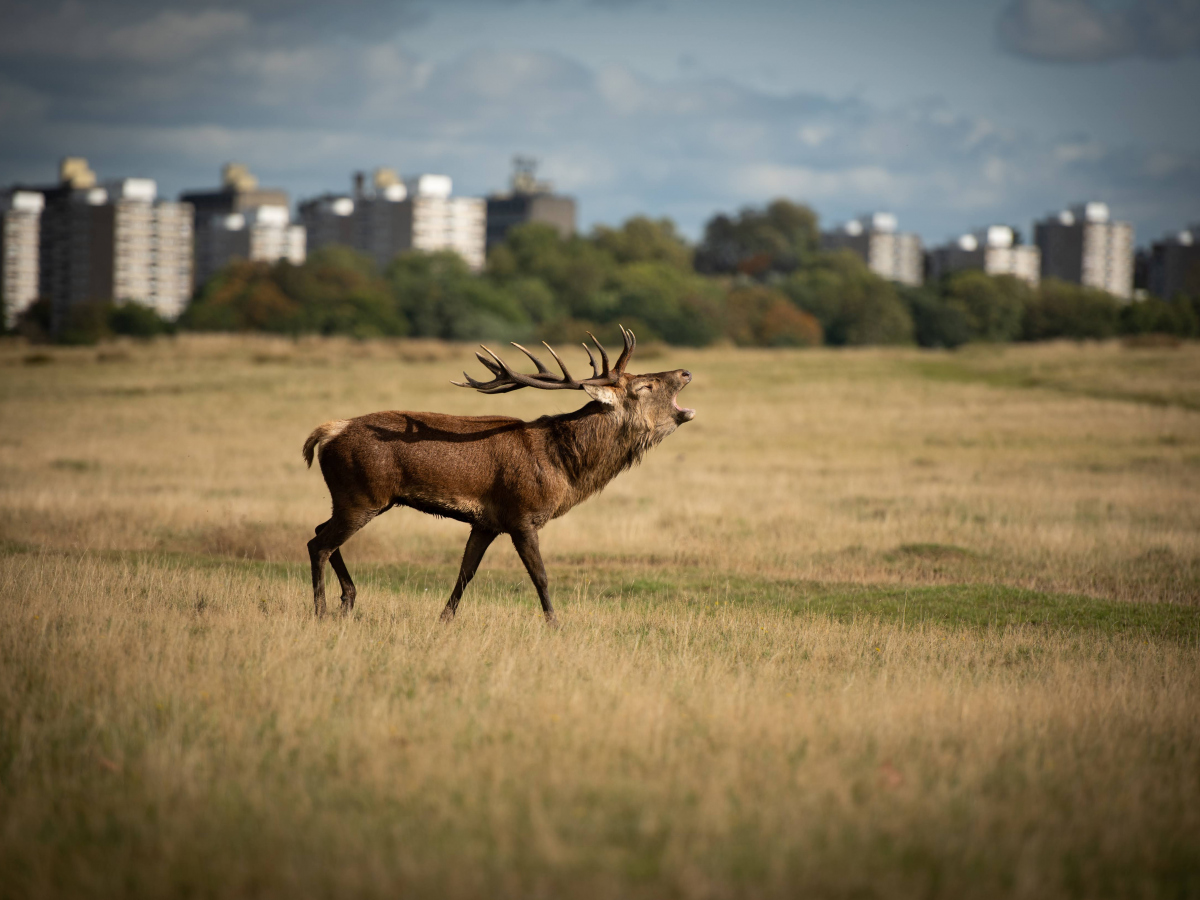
point(766, 682)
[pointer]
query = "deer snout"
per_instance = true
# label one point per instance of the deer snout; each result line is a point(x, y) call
point(685, 375)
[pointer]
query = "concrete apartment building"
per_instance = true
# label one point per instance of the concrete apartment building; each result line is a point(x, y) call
point(528, 200)
point(394, 216)
point(1174, 264)
point(889, 253)
point(240, 220)
point(114, 242)
point(993, 250)
point(1083, 246)
point(20, 229)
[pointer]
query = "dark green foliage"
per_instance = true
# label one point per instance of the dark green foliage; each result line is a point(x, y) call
point(576, 270)
point(86, 323)
point(244, 296)
point(1058, 309)
point(339, 292)
point(758, 278)
point(853, 305)
point(677, 305)
point(994, 305)
point(645, 240)
point(137, 320)
point(440, 297)
point(1154, 316)
point(780, 238)
point(36, 321)
point(936, 323)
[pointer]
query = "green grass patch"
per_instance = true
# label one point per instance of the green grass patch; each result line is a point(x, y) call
point(971, 605)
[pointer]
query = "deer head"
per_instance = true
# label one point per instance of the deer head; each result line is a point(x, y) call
point(649, 400)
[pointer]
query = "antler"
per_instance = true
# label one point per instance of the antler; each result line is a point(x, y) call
point(506, 379)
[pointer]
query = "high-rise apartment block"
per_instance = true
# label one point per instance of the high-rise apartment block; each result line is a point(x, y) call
point(993, 250)
point(887, 252)
point(240, 220)
point(528, 200)
point(1081, 245)
point(115, 242)
point(1175, 264)
point(395, 216)
point(21, 213)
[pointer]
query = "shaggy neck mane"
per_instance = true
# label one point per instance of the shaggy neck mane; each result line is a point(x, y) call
point(597, 443)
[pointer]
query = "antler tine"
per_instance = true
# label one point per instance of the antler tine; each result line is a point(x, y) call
point(495, 386)
point(603, 354)
point(566, 374)
point(488, 364)
point(592, 360)
point(630, 343)
point(509, 380)
point(542, 370)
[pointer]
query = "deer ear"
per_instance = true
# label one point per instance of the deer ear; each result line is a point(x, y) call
point(602, 392)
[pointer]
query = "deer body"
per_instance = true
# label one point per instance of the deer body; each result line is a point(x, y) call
point(500, 475)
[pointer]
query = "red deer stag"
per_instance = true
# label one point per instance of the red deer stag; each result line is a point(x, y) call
point(499, 475)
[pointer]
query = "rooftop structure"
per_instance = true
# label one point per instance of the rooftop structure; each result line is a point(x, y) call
point(889, 253)
point(1083, 246)
point(1174, 264)
point(393, 216)
point(994, 250)
point(116, 242)
point(528, 200)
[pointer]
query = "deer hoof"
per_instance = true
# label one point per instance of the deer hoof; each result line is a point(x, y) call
point(447, 616)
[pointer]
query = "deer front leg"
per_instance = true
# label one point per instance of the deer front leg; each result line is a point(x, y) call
point(477, 544)
point(526, 543)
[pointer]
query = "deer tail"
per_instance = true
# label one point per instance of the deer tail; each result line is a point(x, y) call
point(321, 436)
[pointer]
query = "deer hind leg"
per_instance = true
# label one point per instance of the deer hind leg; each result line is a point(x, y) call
point(477, 544)
point(325, 547)
point(526, 543)
point(343, 575)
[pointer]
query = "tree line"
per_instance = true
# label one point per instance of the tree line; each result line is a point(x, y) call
point(757, 278)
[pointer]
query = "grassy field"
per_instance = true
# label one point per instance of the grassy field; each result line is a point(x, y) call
point(877, 623)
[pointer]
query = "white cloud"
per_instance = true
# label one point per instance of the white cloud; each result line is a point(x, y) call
point(1078, 151)
point(860, 183)
point(306, 111)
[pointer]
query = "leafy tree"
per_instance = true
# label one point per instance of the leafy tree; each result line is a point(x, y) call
point(137, 320)
point(243, 296)
point(36, 321)
point(644, 240)
point(994, 305)
point(575, 269)
point(86, 323)
point(936, 323)
point(853, 305)
point(1154, 316)
point(762, 316)
point(1059, 309)
point(340, 292)
point(535, 298)
point(677, 305)
point(779, 238)
point(440, 297)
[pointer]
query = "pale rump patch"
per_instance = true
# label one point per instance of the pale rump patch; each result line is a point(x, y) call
point(329, 431)
point(322, 435)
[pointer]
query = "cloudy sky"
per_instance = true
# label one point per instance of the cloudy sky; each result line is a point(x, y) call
point(951, 113)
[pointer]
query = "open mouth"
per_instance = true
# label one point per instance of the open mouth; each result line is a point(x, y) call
point(682, 413)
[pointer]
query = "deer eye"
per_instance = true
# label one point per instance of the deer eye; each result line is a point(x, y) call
point(645, 387)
